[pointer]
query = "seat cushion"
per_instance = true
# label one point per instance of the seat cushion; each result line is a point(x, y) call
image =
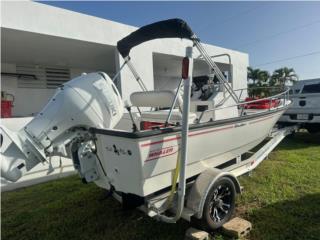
point(161, 116)
point(162, 99)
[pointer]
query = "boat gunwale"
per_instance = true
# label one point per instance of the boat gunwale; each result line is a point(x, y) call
point(176, 129)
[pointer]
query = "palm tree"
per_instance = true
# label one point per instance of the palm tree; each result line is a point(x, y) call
point(283, 76)
point(253, 74)
point(263, 78)
point(258, 76)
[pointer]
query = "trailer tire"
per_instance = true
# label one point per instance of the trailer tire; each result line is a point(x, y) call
point(219, 205)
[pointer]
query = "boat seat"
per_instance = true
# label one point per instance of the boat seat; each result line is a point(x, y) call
point(161, 116)
point(156, 99)
point(159, 99)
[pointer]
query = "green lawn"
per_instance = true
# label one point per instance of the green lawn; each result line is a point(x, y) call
point(281, 199)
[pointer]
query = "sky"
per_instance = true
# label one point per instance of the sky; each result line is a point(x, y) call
point(274, 34)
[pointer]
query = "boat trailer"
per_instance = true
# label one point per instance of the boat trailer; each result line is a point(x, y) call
point(198, 187)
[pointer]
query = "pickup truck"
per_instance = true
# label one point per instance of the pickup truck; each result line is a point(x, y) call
point(305, 109)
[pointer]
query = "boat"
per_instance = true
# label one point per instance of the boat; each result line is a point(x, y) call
point(165, 150)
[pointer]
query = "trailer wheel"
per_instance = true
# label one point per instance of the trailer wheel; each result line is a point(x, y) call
point(219, 204)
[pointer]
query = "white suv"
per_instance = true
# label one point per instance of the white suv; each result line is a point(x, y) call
point(305, 109)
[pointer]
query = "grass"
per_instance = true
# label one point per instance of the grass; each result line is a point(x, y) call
point(281, 199)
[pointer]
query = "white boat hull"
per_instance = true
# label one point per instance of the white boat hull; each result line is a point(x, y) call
point(144, 165)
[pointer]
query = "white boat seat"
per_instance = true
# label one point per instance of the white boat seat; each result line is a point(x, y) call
point(161, 116)
point(160, 98)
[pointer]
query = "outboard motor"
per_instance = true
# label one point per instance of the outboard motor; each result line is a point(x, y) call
point(90, 100)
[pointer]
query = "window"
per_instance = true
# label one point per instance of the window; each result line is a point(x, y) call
point(311, 88)
point(34, 76)
point(55, 77)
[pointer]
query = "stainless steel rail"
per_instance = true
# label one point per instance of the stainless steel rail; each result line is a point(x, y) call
point(283, 95)
point(222, 55)
point(215, 68)
point(173, 104)
point(254, 88)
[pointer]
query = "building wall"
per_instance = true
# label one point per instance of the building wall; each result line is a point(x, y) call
point(40, 18)
point(28, 101)
point(240, 61)
point(50, 21)
point(167, 70)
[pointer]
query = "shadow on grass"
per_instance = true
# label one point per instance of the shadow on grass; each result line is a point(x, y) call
point(300, 140)
point(71, 210)
point(81, 215)
point(294, 219)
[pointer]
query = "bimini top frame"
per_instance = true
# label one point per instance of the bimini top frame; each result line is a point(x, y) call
point(171, 28)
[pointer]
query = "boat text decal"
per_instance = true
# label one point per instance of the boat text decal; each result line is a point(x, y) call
point(162, 152)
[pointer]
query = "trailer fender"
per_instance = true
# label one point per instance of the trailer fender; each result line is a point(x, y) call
point(201, 187)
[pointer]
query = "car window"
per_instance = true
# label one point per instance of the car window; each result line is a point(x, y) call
point(311, 88)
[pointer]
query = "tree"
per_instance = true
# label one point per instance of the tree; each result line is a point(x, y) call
point(263, 78)
point(257, 76)
point(283, 76)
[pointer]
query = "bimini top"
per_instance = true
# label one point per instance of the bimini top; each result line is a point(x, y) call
point(171, 28)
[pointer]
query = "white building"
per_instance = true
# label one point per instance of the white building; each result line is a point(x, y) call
point(46, 46)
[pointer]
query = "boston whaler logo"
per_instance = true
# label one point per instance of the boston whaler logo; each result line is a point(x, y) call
point(162, 152)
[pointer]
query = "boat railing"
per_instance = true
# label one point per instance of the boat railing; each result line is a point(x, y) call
point(251, 90)
point(242, 105)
